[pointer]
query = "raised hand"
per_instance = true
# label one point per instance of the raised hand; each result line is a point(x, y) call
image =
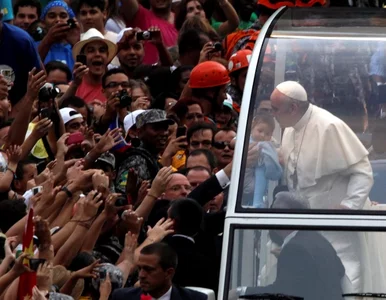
point(14, 154)
point(42, 231)
point(132, 221)
point(109, 140)
point(41, 128)
point(91, 205)
point(91, 271)
point(35, 82)
point(79, 71)
point(105, 288)
point(160, 181)
point(156, 36)
point(160, 230)
point(44, 276)
point(19, 268)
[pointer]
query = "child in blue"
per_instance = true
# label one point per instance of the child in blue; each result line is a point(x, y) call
point(266, 167)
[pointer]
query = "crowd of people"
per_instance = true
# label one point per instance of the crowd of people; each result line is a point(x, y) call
point(118, 123)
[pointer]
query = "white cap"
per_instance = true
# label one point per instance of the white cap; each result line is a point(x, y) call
point(69, 114)
point(129, 120)
point(228, 102)
point(293, 90)
point(121, 33)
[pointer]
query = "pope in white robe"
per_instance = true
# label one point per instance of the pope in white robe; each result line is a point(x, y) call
point(326, 163)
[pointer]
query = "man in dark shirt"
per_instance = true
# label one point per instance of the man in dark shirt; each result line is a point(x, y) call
point(18, 57)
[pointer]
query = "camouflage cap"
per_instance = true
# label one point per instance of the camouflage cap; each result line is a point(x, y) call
point(152, 116)
point(107, 158)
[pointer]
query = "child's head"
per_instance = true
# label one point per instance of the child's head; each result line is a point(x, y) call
point(263, 126)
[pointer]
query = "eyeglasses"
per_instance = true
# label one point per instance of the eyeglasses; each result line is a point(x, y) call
point(114, 84)
point(222, 145)
point(204, 143)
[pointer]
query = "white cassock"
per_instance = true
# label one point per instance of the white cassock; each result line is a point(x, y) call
point(327, 164)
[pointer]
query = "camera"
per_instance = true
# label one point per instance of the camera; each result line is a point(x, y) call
point(217, 47)
point(38, 34)
point(143, 35)
point(71, 23)
point(124, 98)
point(48, 92)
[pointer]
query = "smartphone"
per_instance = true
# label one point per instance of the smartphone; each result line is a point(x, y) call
point(37, 189)
point(35, 262)
point(75, 138)
point(71, 23)
point(45, 113)
point(181, 131)
point(102, 275)
point(82, 59)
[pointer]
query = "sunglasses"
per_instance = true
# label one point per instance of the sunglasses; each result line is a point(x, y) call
point(113, 84)
point(222, 145)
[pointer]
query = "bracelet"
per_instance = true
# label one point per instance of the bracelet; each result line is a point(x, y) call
point(67, 191)
point(12, 171)
point(150, 195)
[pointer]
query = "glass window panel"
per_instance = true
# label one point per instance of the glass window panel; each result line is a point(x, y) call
point(308, 264)
point(345, 77)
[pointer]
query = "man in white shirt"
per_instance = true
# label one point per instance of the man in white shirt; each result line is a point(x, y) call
point(326, 163)
point(157, 264)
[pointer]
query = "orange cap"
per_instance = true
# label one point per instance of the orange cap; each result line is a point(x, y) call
point(207, 75)
point(239, 60)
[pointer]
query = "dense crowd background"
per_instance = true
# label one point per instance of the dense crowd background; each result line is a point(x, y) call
point(118, 126)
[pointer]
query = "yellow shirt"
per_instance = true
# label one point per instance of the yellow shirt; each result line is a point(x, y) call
point(39, 151)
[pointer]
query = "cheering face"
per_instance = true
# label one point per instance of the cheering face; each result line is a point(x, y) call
point(97, 55)
point(132, 53)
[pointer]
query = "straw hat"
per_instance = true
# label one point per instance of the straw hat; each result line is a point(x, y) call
point(93, 35)
point(61, 275)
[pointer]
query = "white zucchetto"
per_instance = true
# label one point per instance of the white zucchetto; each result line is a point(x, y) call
point(293, 90)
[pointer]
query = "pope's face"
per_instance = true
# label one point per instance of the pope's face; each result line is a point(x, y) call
point(283, 110)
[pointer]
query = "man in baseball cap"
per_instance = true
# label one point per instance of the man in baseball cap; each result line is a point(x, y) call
point(73, 121)
point(152, 130)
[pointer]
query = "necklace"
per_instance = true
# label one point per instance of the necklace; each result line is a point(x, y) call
point(294, 176)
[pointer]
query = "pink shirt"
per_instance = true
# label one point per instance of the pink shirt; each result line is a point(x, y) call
point(90, 92)
point(144, 19)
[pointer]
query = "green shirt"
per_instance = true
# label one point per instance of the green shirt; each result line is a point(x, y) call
point(243, 24)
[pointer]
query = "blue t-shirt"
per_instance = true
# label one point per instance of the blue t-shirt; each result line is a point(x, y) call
point(17, 51)
point(60, 52)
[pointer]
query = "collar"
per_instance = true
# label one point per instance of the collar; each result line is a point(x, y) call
point(288, 238)
point(165, 296)
point(184, 236)
point(304, 120)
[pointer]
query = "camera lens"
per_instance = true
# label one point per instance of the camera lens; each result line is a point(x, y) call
point(146, 35)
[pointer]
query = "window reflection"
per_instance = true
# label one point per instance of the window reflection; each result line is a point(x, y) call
point(332, 147)
point(306, 263)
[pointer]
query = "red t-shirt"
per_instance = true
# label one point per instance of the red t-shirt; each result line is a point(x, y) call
point(90, 92)
point(144, 19)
